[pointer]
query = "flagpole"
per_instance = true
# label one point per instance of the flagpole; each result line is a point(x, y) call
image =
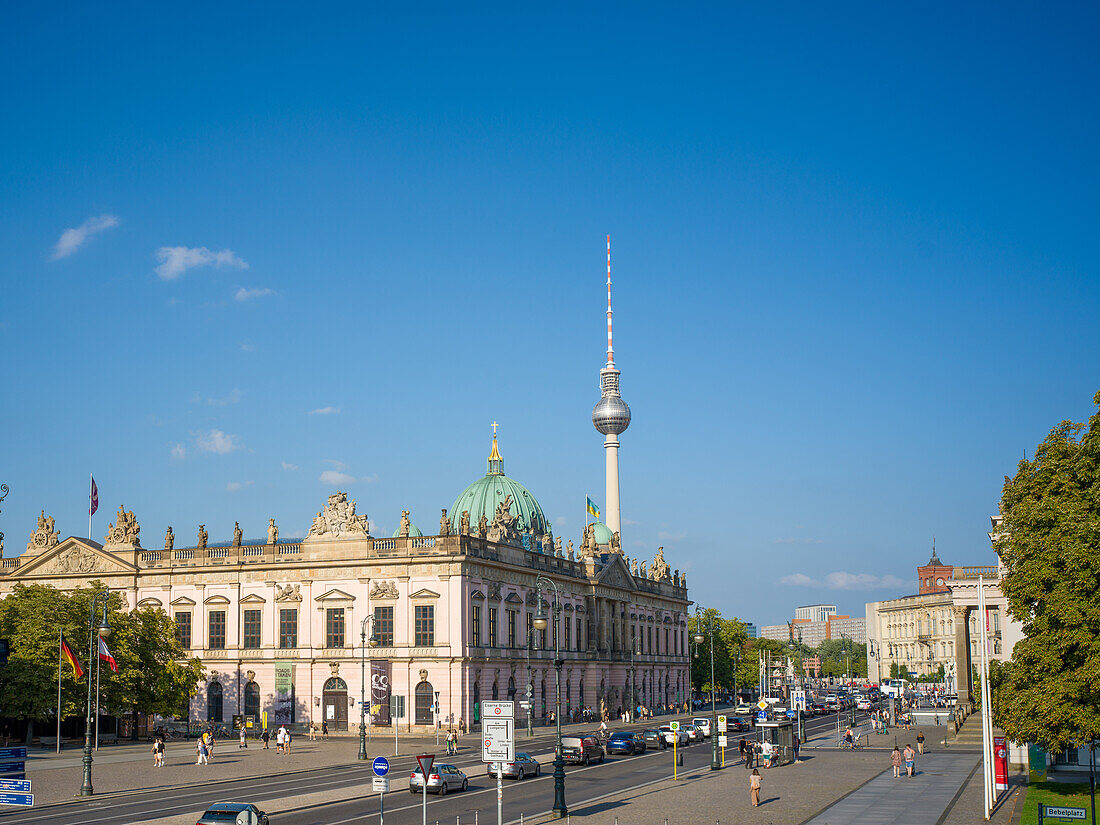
point(98, 659)
point(59, 632)
point(91, 481)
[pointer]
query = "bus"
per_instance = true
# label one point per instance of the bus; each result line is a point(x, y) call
point(894, 687)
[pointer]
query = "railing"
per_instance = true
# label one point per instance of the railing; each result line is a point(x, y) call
point(183, 555)
point(988, 572)
point(423, 541)
point(150, 555)
point(290, 549)
point(385, 544)
point(254, 550)
point(217, 553)
point(10, 563)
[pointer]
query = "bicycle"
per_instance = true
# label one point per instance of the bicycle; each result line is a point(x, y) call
point(854, 745)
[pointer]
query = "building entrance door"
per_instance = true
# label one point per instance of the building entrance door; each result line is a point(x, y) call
point(334, 703)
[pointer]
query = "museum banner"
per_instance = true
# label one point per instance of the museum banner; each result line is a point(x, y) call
point(381, 679)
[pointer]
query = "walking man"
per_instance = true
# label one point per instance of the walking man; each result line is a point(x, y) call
point(266, 736)
point(910, 758)
point(742, 747)
point(920, 742)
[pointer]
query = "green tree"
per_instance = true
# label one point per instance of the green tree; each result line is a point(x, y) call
point(1049, 545)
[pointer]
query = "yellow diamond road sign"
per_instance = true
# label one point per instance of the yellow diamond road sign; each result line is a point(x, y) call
point(762, 705)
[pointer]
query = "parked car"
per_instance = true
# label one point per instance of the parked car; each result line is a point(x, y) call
point(523, 765)
point(626, 742)
point(581, 750)
point(222, 812)
point(744, 709)
point(818, 709)
point(736, 723)
point(655, 739)
point(679, 738)
point(442, 779)
point(702, 722)
point(864, 704)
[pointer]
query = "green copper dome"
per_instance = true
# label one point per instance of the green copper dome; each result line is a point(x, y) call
point(603, 533)
point(483, 496)
point(413, 531)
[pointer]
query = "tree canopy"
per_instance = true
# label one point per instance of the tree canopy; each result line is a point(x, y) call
point(154, 673)
point(1049, 544)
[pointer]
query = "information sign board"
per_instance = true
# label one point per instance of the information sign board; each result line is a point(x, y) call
point(1052, 812)
point(24, 799)
point(13, 753)
point(498, 710)
point(722, 724)
point(723, 740)
point(761, 717)
point(380, 784)
point(11, 767)
point(498, 743)
point(15, 785)
point(16, 775)
point(798, 700)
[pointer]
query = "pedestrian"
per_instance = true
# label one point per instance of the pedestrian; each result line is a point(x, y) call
point(202, 757)
point(266, 737)
point(158, 758)
point(324, 730)
point(286, 741)
point(312, 731)
point(910, 758)
point(920, 742)
point(280, 739)
point(742, 747)
point(754, 787)
point(244, 741)
point(797, 743)
point(895, 760)
point(461, 725)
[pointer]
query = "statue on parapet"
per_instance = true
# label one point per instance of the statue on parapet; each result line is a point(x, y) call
point(406, 524)
point(464, 524)
point(169, 539)
point(444, 524)
point(272, 532)
point(238, 534)
point(203, 537)
point(482, 526)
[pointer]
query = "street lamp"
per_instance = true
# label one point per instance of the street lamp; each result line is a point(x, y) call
point(368, 621)
point(103, 631)
point(715, 764)
point(540, 622)
point(633, 681)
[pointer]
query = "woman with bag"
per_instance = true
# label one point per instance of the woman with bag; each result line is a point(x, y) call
point(754, 787)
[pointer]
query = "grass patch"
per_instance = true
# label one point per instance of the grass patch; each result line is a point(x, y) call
point(1061, 794)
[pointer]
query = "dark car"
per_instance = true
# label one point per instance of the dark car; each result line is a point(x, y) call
point(523, 765)
point(581, 750)
point(736, 724)
point(626, 742)
point(654, 739)
point(223, 812)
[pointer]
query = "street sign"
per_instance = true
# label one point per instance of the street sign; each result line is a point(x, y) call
point(24, 799)
point(381, 766)
point(761, 717)
point(798, 699)
point(13, 753)
point(1051, 812)
point(18, 775)
point(425, 761)
point(722, 740)
point(498, 710)
point(15, 785)
point(380, 784)
point(525, 705)
point(12, 767)
point(498, 743)
point(674, 726)
point(722, 726)
point(762, 705)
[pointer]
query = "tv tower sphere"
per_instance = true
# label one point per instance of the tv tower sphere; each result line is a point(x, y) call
point(611, 415)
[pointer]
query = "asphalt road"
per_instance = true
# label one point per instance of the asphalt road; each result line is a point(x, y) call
point(277, 794)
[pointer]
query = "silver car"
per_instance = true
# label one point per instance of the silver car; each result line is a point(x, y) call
point(442, 779)
point(523, 765)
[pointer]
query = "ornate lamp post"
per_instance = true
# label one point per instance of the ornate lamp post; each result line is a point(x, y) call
point(633, 680)
point(540, 622)
point(368, 621)
point(102, 632)
point(715, 762)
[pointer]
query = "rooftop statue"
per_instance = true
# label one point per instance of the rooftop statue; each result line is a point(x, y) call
point(203, 537)
point(482, 526)
point(125, 530)
point(338, 520)
point(660, 567)
point(444, 524)
point(406, 525)
point(238, 534)
point(505, 526)
point(272, 532)
point(464, 524)
point(44, 536)
point(169, 539)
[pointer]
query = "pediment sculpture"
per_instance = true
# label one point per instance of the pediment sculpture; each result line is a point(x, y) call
point(634, 567)
point(44, 536)
point(660, 569)
point(504, 528)
point(288, 593)
point(125, 530)
point(494, 590)
point(74, 560)
point(383, 590)
point(339, 520)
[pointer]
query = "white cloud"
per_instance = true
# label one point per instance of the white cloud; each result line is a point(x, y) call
point(215, 441)
point(175, 260)
point(234, 486)
point(842, 580)
point(248, 294)
point(339, 465)
point(288, 466)
point(72, 239)
point(233, 398)
point(561, 521)
point(178, 452)
point(371, 479)
point(332, 477)
point(246, 347)
point(325, 411)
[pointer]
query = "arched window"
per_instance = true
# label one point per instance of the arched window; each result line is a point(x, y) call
point(214, 701)
point(336, 683)
point(496, 692)
point(423, 699)
point(512, 688)
point(252, 700)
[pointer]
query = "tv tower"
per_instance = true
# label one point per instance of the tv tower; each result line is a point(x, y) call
point(611, 416)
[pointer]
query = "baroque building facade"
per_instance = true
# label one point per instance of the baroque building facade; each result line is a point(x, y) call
point(278, 624)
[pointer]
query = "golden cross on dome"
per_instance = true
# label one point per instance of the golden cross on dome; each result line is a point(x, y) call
point(495, 425)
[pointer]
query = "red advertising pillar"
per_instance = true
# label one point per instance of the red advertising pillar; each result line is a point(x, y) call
point(1000, 763)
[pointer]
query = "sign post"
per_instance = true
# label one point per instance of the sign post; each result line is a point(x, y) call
point(498, 742)
point(675, 726)
point(425, 761)
point(723, 726)
point(381, 767)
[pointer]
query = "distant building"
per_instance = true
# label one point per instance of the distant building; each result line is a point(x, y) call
point(814, 612)
point(847, 627)
point(813, 633)
point(752, 630)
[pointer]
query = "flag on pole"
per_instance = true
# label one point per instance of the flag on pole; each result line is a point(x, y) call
point(106, 656)
point(67, 653)
point(593, 510)
point(93, 499)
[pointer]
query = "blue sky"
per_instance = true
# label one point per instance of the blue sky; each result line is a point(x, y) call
point(250, 259)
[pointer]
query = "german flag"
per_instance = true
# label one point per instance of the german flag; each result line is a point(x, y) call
point(67, 653)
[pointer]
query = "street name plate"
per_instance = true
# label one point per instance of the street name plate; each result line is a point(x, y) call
point(722, 741)
point(12, 767)
point(24, 799)
point(498, 710)
point(380, 784)
point(15, 785)
point(1063, 813)
point(13, 753)
point(498, 742)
